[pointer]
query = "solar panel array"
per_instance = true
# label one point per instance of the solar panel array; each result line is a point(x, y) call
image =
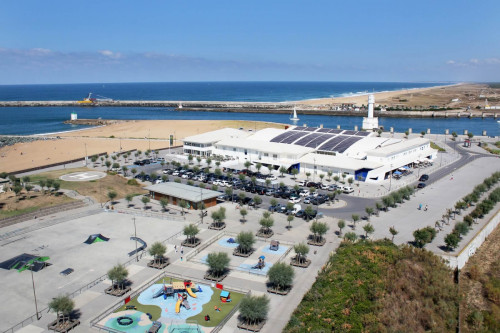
point(325, 139)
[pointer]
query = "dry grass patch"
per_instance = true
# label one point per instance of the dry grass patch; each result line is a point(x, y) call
point(98, 189)
point(12, 205)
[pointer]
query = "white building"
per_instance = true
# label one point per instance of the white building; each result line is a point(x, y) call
point(357, 154)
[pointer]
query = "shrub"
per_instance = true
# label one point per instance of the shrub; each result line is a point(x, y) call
point(424, 236)
point(254, 309)
point(218, 262)
point(132, 182)
point(245, 240)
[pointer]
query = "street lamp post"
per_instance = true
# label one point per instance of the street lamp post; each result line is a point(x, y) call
point(34, 293)
point(390, 179)
point(135, 238)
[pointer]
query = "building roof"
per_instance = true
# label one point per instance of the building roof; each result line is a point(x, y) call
point(339, 162)
point(217, 135)
point(399, 147)
point(359, 149)
point(268, 147)
point(266, 134)
point(183, 191)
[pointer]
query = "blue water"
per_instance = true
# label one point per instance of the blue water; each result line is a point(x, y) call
point(23, 121)
point(201, 91)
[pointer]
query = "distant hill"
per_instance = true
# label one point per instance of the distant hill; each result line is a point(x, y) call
point(379, 287)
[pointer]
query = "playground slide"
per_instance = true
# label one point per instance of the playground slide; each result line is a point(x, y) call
point(190, 292)
point(158, 293)
point(178, 305)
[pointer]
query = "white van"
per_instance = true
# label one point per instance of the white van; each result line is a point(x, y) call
point(347, 189)
point(296, 208)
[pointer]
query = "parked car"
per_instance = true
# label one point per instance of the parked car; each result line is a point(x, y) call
point(270, 191)
point(424, 178)
point(304, 193)
point(271, 177)
point(300, 213)
point(294, 199)
point(421, 185)
point(324, 187)
point(161, 159)
point(302, 183)
point(307, 200)
point(347, 189)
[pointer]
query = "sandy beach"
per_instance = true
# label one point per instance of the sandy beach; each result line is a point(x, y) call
point(142, 135)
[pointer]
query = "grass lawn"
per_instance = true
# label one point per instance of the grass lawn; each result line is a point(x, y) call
point(97, 189)
point(435, 146)
point(215, 316)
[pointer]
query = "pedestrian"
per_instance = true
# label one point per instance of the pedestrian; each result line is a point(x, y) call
point(425, 209)
point(181, 258)
point(175, 248)
point(182, 249)
point(420, 207)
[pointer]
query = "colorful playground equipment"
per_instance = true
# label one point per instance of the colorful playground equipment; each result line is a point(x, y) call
point(231, 241)
point(274, 246)
point(176, 287)
point(225, 296)
point(261, 264)
point(182, 300)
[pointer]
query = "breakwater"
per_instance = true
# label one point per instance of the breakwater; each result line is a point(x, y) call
point(258, 107)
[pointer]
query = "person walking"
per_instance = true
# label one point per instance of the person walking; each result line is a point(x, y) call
point(175, 248)
point(182, 249)
point(420, 207)
point(426, 207)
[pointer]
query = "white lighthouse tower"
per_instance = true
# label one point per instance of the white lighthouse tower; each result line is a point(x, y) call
point(370, 122)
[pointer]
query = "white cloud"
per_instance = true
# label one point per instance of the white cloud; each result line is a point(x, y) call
point(492, 61)
point(474, 61)
point(450, 62)
point(110, 54)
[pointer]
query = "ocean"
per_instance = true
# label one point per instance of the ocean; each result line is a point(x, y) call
point(37, 120)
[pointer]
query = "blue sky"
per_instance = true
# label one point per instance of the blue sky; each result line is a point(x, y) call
point(177, 40)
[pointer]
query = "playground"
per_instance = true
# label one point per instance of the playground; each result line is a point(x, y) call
point(266, 253)
point(175, 304)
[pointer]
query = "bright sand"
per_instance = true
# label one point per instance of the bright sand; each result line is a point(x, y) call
point(128, 134)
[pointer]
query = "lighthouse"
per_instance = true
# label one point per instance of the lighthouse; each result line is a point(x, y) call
point(370, 122)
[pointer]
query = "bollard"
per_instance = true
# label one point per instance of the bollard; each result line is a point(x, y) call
point(320, 125)
point(428, 131)
point(446, 131)
point(409, 130)
point(338, 126)
point(484, 133)
point(392, 130)
point(355, 127)
point(466, 132)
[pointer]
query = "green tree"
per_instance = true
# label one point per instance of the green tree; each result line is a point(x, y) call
point(387, 201)
point(290, 218)
point(281, 275)
point(157, 250)
point(369, 211)
point(295, 172)
point(336, 179)
point(190, 231)
point(301, 251)
point(62, 306)
point(145, 200)
point(247, 165)
point(116, 165)
point(461, 228)
point(379, 207)
point(329, 173)
point(273, 202)
point(424, 236)
point(258, 166)
point(198, 159)
point(117, 275)
point(369, 229)
point(309, 211)
point(321, 176)
point(243, 213)
point(266, 223)
point(125, 170)
point(129, 197)
point(254, 309)
point(17, 189)
point(318, 229)
point(183, 204)
point(393, 232)
point(28, 188)
point(341, 225)
point(190, 159)
point(451, 240)
point(112, 196)
point(134, 171)
point(245, 240)
point(257, 200)
point(108, 164)
point(282, 170)
point(350, 181)
point(164, 204)
point(355, 219)
point(218, 263)
point(308, 174)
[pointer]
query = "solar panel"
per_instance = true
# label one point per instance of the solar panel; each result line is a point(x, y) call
point(323, 130)
point(282, 136)
point(319, 140)
point(336, 131)
point(294, 137)
point(305, 140)
point(350, 132)
point(299, 128)
point(344, 145)
point(333, 142)
point(363, 133)
point(310, 129)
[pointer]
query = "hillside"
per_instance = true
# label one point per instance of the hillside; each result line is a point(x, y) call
point(480, 288)
point(379, 287)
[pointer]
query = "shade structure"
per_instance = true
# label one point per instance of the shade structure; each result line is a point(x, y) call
point(96, 238)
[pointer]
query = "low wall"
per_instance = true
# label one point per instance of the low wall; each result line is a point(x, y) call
point(459, 260)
